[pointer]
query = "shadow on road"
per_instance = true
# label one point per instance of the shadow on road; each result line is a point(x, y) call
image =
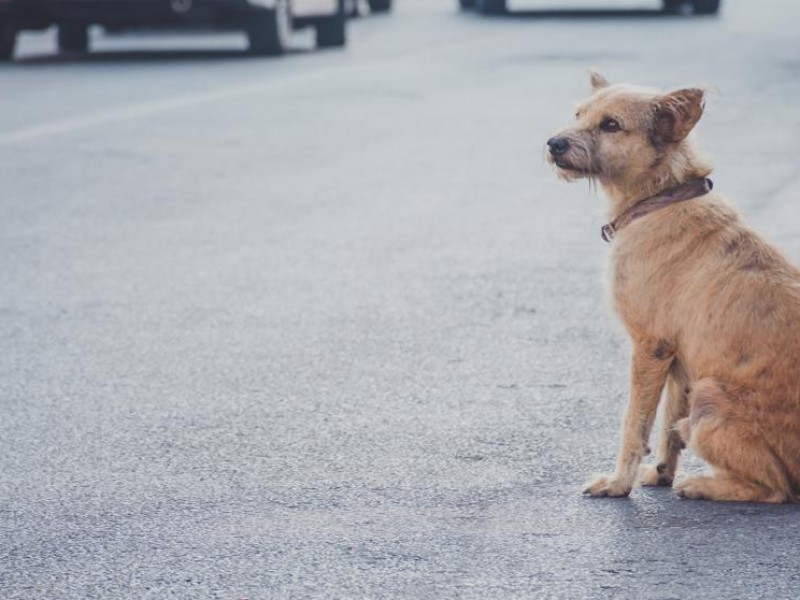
point(144, 56)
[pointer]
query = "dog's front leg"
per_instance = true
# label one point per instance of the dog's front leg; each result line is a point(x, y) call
point(676, 407)
point(649, 367)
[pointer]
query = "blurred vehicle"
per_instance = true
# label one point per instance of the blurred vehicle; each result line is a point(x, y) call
point(699, 7)
point(486, 7)
point(352, 7)
point(268, 23)
point(378, 6)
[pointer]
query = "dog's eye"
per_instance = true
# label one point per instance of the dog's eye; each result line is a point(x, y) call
point(609, 125)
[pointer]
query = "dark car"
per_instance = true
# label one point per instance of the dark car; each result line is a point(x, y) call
point(268, 23)
point(375, 6)
point(380, 5)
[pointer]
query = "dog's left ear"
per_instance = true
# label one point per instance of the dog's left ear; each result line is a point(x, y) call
point(597, 80)
point(677, 113)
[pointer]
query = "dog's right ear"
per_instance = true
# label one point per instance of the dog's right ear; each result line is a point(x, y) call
point(598, 81)
point(677, 113)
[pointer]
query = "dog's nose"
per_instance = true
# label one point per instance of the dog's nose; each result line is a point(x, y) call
point(558, 145)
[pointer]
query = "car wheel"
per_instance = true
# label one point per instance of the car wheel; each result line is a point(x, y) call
point(466, 4)
point(706, 7)
point(351, 8)
point(73, 37)
point(8, 39)
point(269, 31)
point(380, 5)
point(491, 7)
point(332, 31)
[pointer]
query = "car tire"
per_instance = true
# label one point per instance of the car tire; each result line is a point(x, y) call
point(73, 38)
point(491, 7)
point(379, 6)
point(269, 31)
point(332, 31)
point(706, 7)
point(668, 6)
point(466, 4)
point(8, 40)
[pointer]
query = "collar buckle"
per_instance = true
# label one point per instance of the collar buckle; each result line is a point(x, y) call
point(607, 232)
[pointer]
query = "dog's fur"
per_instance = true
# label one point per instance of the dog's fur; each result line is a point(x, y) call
point(713, 311)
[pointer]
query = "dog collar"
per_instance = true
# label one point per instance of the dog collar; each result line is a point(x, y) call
point(679, 193)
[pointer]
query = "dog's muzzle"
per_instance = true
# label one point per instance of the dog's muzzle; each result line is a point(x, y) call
point(558, 145)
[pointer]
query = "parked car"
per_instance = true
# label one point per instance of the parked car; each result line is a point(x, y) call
point(700, 7)
point(268, 23)
point(486, 7)
point(353, 7)
point(378, 6)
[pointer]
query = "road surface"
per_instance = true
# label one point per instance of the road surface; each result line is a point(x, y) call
point(327, 326)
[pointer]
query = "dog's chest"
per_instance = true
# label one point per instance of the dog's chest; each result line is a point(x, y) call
point(641, 291)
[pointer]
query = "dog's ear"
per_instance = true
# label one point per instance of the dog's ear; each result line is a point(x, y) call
point(677, 113)
point(598, 81)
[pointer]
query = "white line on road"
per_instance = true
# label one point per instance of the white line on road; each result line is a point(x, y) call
point(135, 111)
point(146, 109)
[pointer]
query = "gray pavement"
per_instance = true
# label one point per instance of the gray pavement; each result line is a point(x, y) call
point(327, 326)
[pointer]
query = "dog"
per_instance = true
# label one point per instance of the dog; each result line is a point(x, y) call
point(711, 309)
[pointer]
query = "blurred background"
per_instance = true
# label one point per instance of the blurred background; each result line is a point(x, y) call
point(292, 307)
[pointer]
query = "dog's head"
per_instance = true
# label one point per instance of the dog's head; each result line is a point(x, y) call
point(623, 133)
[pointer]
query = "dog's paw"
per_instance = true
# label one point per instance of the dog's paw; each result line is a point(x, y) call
point(608, 486)
point(693, 488)
point(654, 475)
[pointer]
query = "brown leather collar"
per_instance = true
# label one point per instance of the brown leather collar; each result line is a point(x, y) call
point(673, 195)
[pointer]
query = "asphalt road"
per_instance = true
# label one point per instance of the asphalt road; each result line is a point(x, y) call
point(328, 327)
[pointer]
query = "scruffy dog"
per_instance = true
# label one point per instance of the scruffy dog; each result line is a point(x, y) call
point(712, 310)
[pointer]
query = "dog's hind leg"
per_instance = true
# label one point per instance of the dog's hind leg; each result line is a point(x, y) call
point(746, 468)
point(725, 488)
point(676, 407)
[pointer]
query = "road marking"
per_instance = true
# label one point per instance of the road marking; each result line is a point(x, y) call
point(146, 109)
point(134, 111)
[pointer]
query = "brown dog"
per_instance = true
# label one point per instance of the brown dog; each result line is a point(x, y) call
point(712, 310)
